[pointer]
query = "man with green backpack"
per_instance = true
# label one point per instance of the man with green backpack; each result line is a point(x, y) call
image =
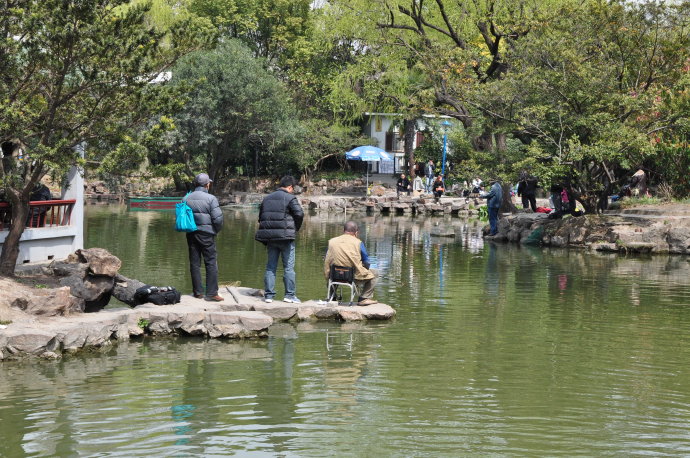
point(202, 242)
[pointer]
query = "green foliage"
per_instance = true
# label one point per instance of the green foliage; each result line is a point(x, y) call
point(272, 29)
point(73, 72)
point(431, 148)
point(583, 101)
point(629, 202)
point(143, 323)
point(5, 322)
point(483, 213)
point(337, 175)
point(319, 140)
point(238, 113)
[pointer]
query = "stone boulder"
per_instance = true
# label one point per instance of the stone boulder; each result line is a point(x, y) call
point(18, 298)
point(100, 261)
point(378, 190)
point(124, 289)
point(678, 239)
point(90, 275)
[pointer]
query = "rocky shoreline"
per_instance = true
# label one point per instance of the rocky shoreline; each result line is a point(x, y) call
point(657, 230)
point(46, 315)
point(242, 314)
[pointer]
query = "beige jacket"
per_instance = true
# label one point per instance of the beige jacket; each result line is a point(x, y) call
point(344, 251)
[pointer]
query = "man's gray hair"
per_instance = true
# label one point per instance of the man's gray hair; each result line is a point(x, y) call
point(351, 227)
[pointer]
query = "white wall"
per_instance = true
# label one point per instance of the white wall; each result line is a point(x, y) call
point(47, 243)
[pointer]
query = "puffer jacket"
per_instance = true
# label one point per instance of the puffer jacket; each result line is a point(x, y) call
point(494, 196)
point(280, 217)
point(207, 213)
point(528, 186)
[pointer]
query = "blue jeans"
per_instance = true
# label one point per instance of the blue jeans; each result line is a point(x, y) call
point(493, 220)
point(427, 183)
point(286, 250)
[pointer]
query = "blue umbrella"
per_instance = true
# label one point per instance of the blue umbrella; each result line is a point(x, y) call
point(369, 154)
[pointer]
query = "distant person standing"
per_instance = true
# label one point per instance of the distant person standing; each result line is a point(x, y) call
point(638, 184)
point(417, 186)
point(494, 199)
point(527, 189)
point(202, 242)
point(280, 218)
point(429, 175)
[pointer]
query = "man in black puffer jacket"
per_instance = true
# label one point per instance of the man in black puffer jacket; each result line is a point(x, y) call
point(202, 242)
point(280, 217)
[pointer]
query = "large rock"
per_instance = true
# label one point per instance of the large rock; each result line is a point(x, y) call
point(124, 289)
point(50, 302)
point(678, 240)
point(100, 261)
point(17, 300)
point(378, 190)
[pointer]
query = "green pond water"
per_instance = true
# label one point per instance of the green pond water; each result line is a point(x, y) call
point(496, 350)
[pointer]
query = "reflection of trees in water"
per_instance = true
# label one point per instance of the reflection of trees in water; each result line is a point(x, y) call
point(72, 407)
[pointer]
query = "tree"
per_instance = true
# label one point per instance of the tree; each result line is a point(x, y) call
point(75, 71)
point(238, 114)
point(589, 89)
point(320, 140)
point(382, 77)
point(272, 29)
point(460, 45)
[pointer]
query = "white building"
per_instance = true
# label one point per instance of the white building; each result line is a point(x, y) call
point(61, 230)
point(387, 129)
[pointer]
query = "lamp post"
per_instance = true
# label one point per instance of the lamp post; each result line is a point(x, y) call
point(444, 125)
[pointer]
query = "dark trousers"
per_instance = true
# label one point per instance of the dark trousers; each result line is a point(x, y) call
point(203, 244)
point(529, 200)
point(493, 220)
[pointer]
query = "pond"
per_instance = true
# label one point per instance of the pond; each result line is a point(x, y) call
point(496, 350)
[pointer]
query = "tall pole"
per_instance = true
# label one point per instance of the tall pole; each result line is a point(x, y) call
point(443, 163)
point(444, 125)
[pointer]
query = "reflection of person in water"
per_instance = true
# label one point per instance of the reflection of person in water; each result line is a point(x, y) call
point(492, 275)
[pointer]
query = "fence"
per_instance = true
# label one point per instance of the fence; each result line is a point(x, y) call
point(43, 213)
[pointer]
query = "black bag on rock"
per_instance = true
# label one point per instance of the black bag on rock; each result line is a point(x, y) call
point(159, 295)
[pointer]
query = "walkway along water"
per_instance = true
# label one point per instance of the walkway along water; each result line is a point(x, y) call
point(242, 314)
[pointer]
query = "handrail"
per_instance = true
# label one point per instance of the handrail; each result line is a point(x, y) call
point(42, 213)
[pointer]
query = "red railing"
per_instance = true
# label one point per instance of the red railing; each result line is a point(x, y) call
point(42, 213)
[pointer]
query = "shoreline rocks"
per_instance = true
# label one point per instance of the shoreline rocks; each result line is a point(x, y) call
point(608, 232)
point(242, 315)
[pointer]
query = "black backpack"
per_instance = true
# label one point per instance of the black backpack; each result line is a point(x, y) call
point(159, 295)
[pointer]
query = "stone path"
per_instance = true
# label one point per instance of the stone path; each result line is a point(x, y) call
point(242, 314)
point(663, 211)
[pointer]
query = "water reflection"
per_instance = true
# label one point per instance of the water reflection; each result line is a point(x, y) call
point(496, 350)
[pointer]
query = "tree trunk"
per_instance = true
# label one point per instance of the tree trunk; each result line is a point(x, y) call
point(484, 142)
point(10, 248)
point(409, 131)
point(507, 205)
point(500, 139)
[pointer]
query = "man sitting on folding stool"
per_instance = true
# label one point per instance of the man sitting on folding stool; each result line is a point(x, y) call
point(345, 251)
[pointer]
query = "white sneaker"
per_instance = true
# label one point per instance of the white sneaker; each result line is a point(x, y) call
point(292, 300)
point(268, 300)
